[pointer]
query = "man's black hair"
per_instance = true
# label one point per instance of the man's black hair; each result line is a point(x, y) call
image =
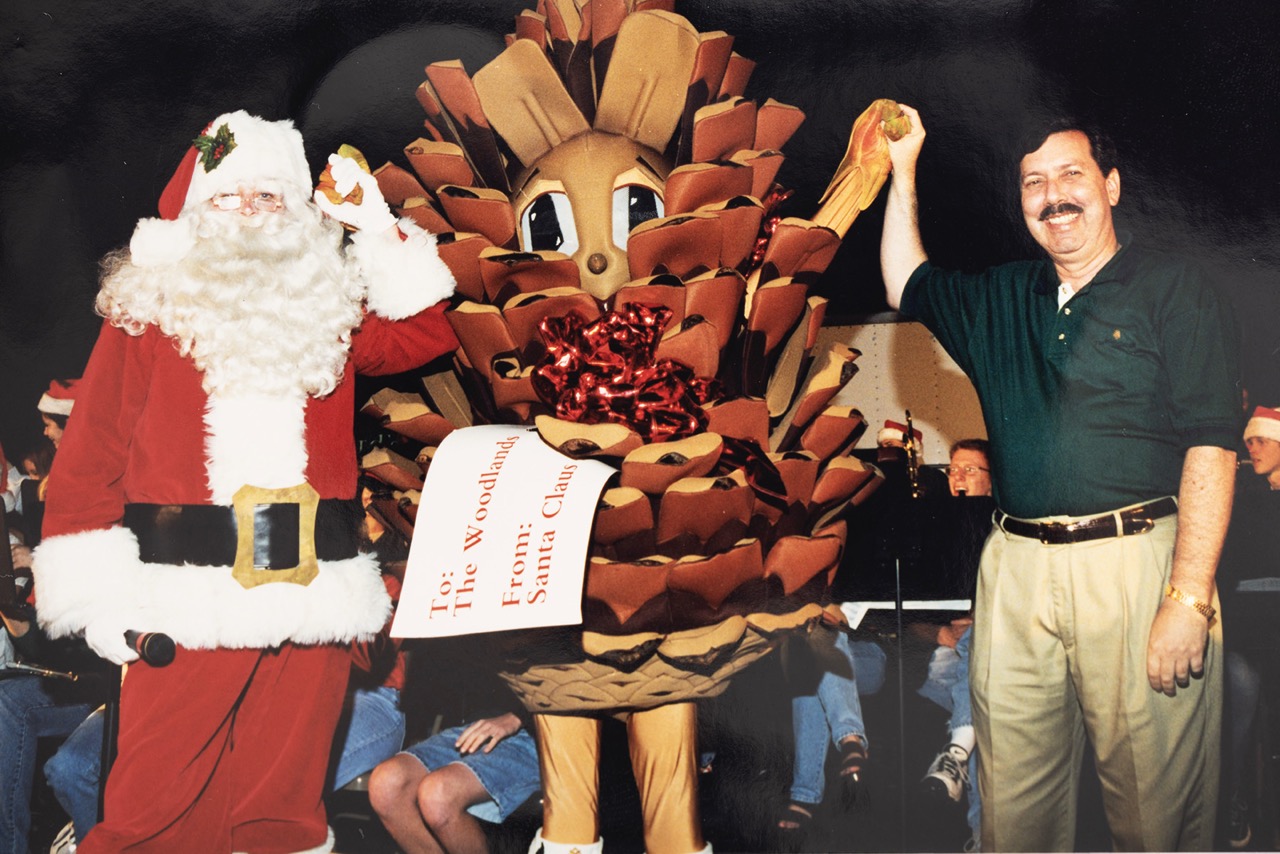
point(1101, 146)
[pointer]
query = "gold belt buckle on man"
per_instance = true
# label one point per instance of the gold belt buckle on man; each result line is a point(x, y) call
point(253, 506)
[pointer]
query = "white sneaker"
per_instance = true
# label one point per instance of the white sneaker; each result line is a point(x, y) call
point(949, 772)
point(65, 841)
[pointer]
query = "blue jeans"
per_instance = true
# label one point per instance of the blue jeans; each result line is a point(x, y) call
point(27, 713)
point(374, 731)
point(509, 772)
point(74, 773)
point(948, 685)
point(832, 714)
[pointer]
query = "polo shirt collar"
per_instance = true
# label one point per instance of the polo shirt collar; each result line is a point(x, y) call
point(1115, 270)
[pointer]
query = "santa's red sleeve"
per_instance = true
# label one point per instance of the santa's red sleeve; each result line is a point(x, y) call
point(85, 555)
point(406, 286)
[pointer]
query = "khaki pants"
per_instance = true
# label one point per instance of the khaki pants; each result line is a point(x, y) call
point(1060, 652)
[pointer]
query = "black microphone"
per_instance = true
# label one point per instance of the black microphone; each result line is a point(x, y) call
point(155, 648)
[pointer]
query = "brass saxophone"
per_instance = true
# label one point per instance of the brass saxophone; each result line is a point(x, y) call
point(913, 457)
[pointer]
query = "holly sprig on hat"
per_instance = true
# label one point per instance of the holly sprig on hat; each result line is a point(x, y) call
point(214, 148)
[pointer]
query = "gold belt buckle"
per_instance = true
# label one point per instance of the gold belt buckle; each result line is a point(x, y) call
point(249, 497)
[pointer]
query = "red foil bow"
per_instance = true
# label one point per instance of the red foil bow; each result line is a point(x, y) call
point(605, 371)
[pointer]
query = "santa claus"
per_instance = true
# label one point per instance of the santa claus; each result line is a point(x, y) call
point(206, 488)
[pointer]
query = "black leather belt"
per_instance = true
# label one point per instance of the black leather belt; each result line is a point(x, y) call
point(1122, 523)
point(205, 535)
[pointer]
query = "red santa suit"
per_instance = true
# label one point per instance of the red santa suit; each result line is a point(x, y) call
point(226, 748)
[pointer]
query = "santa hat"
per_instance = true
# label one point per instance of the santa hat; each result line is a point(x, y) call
point(236, 148)
point(895, 432)
point(1264, 423)
point(59, 399)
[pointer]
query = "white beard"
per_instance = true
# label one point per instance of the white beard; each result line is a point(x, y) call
point(266, 314)
point(267, 309)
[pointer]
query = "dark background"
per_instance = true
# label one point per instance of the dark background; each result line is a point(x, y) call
point(99, 100)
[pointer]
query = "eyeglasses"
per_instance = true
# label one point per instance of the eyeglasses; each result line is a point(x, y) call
point(969, 471)
point(263, 202)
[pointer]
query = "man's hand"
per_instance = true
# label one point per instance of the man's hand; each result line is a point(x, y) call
point(950, 634)
point(1175, 648)
point(904, 152)
point(485, 734)
point(372, 214)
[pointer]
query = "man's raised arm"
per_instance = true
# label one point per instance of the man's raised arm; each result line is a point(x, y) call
point(901, 249)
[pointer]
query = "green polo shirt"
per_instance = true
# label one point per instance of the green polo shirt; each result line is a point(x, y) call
point(1092, 407)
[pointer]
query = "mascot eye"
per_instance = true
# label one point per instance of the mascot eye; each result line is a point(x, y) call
point(547, 223)
point(633, 205)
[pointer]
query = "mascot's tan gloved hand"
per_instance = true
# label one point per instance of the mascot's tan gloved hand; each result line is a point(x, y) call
point(372, 214)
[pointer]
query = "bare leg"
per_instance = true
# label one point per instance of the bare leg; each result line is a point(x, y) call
point(393, 793)
point(443, 798)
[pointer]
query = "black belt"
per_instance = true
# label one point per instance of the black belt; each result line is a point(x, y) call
point(1133, 520)
point(205, 534)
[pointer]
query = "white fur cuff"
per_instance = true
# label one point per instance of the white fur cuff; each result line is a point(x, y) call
point(402, 277)
point(81, 577)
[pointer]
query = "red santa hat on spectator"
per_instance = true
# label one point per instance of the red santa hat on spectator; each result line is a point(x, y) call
point(1264, 423)
point(895, 432)
point(59, 399)
point(235, 149)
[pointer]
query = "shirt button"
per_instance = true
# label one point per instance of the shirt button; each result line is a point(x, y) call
point(1066, 311)
point(1062, 336)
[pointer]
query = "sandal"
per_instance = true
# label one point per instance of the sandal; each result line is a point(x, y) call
point(853, 755)
point(795, 818)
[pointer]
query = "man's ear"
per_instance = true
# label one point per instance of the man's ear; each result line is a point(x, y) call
point(1113, 187)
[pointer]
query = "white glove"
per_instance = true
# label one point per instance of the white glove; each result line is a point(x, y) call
point(372, 214)
point(106, 638)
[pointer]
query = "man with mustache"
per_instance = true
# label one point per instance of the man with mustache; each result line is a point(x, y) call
point(1107, 375)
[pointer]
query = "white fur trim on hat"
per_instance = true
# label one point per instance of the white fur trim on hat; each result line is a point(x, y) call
point(264, 151)
point(159, 242)
point(1265, 424)
point(81, 578)
point(60, 399)
point(402, 277)
point(54, 406)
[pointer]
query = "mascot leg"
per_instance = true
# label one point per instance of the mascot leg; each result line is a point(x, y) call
point(664, 758)
point(569, 755)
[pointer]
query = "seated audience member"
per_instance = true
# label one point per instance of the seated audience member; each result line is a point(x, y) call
point(10, 485)
point(432, 796)
point(55, 407)
point(35, 705)
point(36, 464)
point(947, 683)
point(1249, 581)
point(831, 714)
